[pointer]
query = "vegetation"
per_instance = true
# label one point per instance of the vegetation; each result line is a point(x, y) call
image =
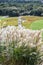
point(37, 25)
point(16, 9)
point(22, 56)
point(28, 20)
point(20, 46)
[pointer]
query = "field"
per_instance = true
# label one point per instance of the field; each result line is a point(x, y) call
point(28, 21)
point(37, 25)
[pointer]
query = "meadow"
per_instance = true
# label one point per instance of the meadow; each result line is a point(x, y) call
point(28, 21)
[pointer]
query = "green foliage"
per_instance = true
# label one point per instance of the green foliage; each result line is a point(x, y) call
point(26, 55)
point(16, 9)
point(20, 55)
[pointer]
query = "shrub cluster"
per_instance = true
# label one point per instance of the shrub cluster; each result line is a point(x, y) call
point(21, 46)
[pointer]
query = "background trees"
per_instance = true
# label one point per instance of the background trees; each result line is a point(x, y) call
point(16, 9)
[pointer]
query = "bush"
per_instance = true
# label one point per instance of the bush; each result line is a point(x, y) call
point(26, 55)
point(23, 55)
point(21, 46)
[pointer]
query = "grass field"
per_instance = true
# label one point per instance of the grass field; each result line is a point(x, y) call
point(29, 21)
point(37, 25)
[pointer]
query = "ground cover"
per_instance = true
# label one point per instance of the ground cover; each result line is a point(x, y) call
point(14, 21)
point(37, 25)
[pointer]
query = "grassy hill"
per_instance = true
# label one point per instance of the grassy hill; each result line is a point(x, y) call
point(37, 25)
point(29, 21)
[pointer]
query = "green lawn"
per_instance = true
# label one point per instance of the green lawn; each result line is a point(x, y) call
point(37, 25)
